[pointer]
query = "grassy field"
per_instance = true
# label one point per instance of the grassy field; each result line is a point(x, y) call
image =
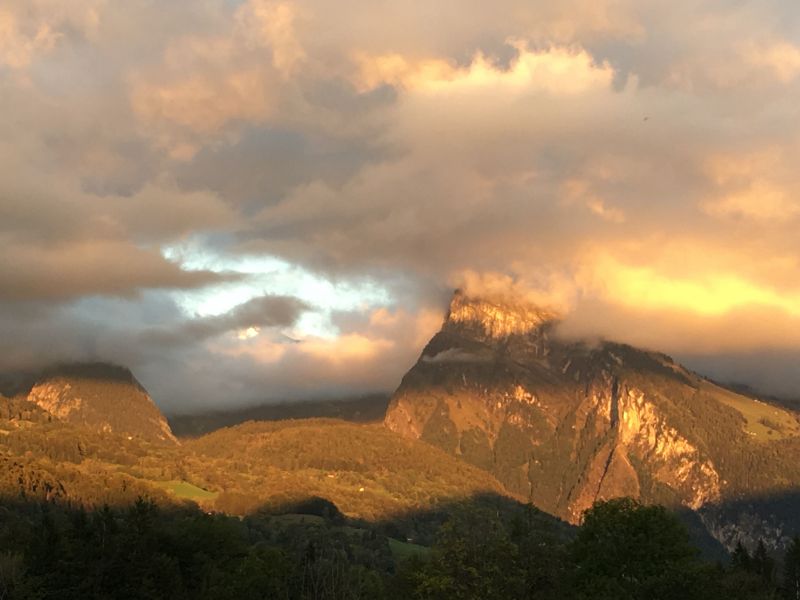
point(185, 490)
point(400, 550)
point(764, 422)
point(292, 518)
point(403, 550)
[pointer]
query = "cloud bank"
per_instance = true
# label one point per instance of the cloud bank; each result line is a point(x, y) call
point(258, 200)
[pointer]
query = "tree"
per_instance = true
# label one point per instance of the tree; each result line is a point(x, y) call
point(762, 564)
point(791, 570)
point(740, 559)
point(749, 577)
point(541, 555)
point(626, 550)
point(473, 559)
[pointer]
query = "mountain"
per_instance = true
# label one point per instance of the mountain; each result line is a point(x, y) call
point(99, 396)
point(362, 472)
point(565, 423)
point(364, 409)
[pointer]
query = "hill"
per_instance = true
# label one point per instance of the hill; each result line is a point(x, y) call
point(566, 423)
point(365, 409)
point(98, 396)
point(365, 472)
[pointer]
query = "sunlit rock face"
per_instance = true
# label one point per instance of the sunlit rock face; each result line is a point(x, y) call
point(498, 319)
point(103, 397)
point(564, 424)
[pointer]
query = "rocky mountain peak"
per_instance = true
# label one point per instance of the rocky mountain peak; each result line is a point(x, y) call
point(564, 423)
point(101, 396)
point(496, 317)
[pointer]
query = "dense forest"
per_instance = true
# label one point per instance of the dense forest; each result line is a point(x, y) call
point(622, 550)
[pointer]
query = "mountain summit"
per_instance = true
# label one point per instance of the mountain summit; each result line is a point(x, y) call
point(101, 396)
point(566, 423)
point(498, 318)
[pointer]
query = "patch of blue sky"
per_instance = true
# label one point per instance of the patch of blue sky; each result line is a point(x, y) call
point(269, 275)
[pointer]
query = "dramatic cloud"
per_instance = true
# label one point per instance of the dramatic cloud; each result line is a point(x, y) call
point(29, 28)
point(90, 268)
point(247, 320)
point(255, 199)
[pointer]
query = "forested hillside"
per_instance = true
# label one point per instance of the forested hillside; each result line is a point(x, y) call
point(366, 409)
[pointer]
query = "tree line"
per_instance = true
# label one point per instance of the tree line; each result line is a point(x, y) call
point(622, 550)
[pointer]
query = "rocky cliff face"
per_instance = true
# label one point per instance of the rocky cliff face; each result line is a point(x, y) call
point(102, 397)
point(564, 424)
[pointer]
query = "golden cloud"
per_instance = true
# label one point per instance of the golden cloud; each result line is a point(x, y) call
point(554, 291)
point(268, 24)
point(761, 200)
point(557, 70)
point(29, 28)
point(204, 102)
point(207, 84)
point(17, 47)
point(711, 293)
point(780, 57)
point(759, 185)
point(259, 348)
point(346, 348)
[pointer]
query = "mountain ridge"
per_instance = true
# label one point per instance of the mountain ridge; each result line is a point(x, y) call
point(566, 423)
point(557, 423)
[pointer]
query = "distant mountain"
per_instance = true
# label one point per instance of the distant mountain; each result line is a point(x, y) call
point(566, 423)
point(90, 434)
point(364, 409)
point(99, 396)
point(362, 472)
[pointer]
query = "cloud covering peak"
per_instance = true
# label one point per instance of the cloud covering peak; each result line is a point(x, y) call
point(262, 199)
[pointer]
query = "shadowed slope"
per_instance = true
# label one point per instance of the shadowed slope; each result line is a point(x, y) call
point(366, 409)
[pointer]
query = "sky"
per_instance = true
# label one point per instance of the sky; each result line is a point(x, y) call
point(256, 200)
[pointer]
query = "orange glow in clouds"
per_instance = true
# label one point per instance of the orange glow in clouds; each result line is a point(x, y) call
point(714, 294)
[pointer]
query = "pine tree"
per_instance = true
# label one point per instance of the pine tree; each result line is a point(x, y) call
point(791, 570)
point(740, 559)
point(763, 564)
